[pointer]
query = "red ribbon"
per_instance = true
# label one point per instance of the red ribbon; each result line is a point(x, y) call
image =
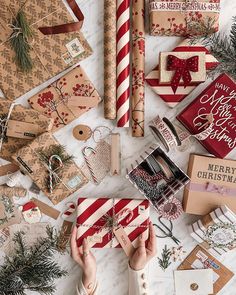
point(182, 68)
point(66, 28)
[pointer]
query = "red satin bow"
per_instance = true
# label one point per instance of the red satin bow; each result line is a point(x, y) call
point(182, 68)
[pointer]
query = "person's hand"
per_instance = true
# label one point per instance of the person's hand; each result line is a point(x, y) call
point(142, 254)
point(86, 261)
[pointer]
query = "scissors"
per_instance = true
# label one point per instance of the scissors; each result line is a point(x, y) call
point(167, 231)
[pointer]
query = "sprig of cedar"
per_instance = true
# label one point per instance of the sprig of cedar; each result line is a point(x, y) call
point(164, 262)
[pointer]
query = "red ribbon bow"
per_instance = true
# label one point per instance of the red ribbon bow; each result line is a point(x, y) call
point(182, 68)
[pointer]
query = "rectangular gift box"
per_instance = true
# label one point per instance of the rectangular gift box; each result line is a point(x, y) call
point(165, 91)
point(200, 258)
point(54, 45)
point(156, 176)
point(23, 126)
point(42, 160)
point(218, 100)
point(213, 183)
point(66, 99)
point(182, 18)
point(216, 231)
point(97, 218)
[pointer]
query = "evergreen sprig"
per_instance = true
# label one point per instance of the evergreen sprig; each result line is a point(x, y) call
point(31, 268)
point(19, 41)
point(164, 261)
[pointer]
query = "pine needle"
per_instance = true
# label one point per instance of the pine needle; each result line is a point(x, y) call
point(164, 261)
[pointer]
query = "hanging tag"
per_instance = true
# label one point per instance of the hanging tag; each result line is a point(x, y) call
point(124, 240)
point(22, 129)
point(46, 209)
point(82, 101)
point(115, 154)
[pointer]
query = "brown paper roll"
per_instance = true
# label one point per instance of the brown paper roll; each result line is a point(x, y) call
point(138, 68)
point(110, 59)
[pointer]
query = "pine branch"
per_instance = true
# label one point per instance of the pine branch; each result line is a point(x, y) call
point(164, 261)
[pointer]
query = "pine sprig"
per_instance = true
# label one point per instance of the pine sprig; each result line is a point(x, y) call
point(31, 268)
point(19, 41)
point(164, 261)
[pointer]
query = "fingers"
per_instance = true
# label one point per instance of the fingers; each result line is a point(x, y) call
point(86, 248)
point(73, 244)
point(152, 240)
point(141, 241)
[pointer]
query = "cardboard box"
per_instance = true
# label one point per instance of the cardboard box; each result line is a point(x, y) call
point(51, 53)
point(199, 258)
point(66, 99)
point(213, 183)
point(23, 126)
point(37, 161)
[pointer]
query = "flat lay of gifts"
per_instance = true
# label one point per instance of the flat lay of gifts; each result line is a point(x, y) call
point(28, 142)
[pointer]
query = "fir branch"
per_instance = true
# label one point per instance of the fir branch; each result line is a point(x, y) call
point(164, 261)
point(19, 42)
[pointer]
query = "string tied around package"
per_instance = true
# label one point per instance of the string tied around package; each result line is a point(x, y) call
point(53, 176)
point(3, 125)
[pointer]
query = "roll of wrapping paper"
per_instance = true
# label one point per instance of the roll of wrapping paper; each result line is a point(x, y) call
point(138, 68)
point(123, 62)
point(110, 59)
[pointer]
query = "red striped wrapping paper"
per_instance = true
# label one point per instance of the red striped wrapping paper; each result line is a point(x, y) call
point(91, 219)
point(165, 91)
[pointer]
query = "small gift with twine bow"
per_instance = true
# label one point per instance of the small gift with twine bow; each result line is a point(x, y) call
point(50, 167)
point(216, 231)
point(98, 218)
point(183, 17)
point(38, 40)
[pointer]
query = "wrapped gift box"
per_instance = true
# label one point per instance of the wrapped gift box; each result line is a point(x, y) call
point(213, 183)
point(216, 231)
point(66, 99)
point(42, 159)
point(218, 100)
point(165, 91)
point(94, 216)
point(200, 258)
point(52, 50)
point(23, 126)
point(156, 176)
point(182, 18)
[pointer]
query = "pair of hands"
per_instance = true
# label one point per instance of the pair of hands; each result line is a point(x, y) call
point(83, 256)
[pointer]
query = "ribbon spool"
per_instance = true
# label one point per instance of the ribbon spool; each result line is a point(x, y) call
point(82, 132)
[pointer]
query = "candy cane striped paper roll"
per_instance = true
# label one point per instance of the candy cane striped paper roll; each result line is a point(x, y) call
point(69, 211)
point(165, 91)
point(123, 62)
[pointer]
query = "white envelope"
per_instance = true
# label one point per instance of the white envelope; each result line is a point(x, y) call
point(194, 282)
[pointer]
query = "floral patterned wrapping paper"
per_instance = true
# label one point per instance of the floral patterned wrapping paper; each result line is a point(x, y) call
point(19, 113)
point(176, 18)
point(56, 100)
point(70, 177)
point(51, 54)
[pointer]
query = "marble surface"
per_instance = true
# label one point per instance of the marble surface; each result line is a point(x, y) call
point(112, 264)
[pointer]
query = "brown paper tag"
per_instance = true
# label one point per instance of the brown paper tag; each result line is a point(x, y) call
point(22, 129)
point(115, 154)
point(124, 240)
point(65, 233)
point(8, 169)
point(82, 101)
point(46, 209)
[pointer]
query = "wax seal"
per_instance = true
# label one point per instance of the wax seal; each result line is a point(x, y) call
point(194, 287)
point(82, 132)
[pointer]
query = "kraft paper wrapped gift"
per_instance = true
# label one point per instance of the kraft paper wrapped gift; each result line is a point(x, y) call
point(200, 258)
point(213, 183)
point(94, 218)
point(182, 17)
point(22, 127)
point(216, 231)
point(66, 99)
point(57, 43)
point(44, 161)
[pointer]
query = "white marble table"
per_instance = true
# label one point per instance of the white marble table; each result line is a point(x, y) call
point(112, 264)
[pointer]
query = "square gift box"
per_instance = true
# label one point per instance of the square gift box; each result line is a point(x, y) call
point(213, 183)
point(55, 45)
point(165, 91)
point(218, 100)
point(216, 232)
point(200, 258)
point(22, 127)
point(50, 167)
point(66, 99)
point(182, 17)
point(97, 218)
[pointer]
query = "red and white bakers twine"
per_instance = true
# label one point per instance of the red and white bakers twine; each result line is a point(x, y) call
point(69, 211)
point(123, 62)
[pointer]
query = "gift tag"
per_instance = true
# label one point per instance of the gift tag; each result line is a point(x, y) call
point(30, 212)
point(115, 154)
point(8, 169)
point(65, 233)
point(82, 101)
point(46, 209)
point(124, 240)
point(75, 48)
point(22, 129)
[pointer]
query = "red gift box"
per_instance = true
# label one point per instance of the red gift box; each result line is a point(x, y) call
point(97, 218)
point(219, 99)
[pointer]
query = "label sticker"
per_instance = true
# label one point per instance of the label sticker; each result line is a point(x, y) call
point(67, 58)
point(94, 239)
point(201, 256)
point(74, 182)
point(75, 48)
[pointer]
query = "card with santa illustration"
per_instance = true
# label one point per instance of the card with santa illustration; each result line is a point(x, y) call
point(219, 100)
